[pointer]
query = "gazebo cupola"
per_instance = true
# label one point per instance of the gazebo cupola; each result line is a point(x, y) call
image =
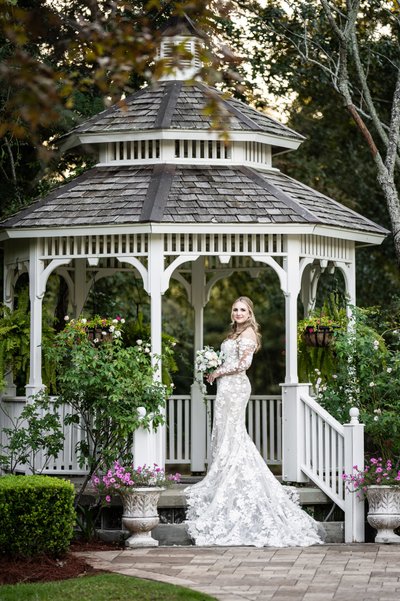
point(169, 198)
point(180, 49)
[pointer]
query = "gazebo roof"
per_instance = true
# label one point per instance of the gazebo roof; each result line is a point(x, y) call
point(178, 194)
point(177, 106)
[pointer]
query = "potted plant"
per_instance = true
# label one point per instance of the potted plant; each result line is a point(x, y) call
point(139, 489)
point(380, 482)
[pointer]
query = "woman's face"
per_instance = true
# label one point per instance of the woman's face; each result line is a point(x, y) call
point(240, 312)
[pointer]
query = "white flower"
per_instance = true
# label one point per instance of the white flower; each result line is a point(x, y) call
point(115, 320)
point(96, 340)
point(122, 320)
point(334, 376)
point(104, 333)
point(317, 371)
point(83, 320)
point(389, 370)
point(173, 343)
point(117, 334)
point(147, 350)
point(371, 384)
point(378, 411)
point(376, 418)
point(111, 328)
point(139, 342)
point(66, 318)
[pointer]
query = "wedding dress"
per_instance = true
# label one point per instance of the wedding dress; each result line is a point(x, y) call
point(240, 502)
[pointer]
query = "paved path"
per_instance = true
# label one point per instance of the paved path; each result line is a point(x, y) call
point(359, 572)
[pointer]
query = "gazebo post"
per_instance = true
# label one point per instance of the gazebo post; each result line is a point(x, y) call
point(36, 268)
point(155, 271)
point(79, 296)
point(198, 407)
point(8, 300)
point(293, 435)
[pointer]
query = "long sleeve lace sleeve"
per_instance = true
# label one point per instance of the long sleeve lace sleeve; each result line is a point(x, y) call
point(241, 362)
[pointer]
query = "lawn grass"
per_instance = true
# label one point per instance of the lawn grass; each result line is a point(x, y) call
point(105, 587)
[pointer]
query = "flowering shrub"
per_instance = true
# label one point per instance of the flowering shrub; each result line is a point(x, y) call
point(375, 473)
point(124, 479)
point(110, 389)
point(366, 374)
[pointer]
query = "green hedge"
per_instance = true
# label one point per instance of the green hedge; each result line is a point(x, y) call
point(36, 515)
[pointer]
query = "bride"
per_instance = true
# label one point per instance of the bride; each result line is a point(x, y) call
point(240, 502)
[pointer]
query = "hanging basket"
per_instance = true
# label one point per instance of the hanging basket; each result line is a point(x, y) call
point(321, 336)
point(96, 335)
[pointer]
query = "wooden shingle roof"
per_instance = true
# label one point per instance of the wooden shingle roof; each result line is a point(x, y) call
point(175, 194)
point(175, 105)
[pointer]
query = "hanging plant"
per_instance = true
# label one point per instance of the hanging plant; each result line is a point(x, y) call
point(15, 342)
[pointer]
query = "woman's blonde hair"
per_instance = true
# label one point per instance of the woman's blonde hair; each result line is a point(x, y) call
point(251, 322)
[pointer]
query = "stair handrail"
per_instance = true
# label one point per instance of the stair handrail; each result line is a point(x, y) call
point(319, 448)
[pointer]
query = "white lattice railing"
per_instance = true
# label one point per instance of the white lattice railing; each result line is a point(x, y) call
point(263, 422)
point(323, 458)
point(66, 462)
point(263, 419)
point(319, 447)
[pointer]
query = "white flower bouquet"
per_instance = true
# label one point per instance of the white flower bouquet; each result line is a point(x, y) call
point(208, 360)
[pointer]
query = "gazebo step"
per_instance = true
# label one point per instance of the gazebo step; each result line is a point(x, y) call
point(176, 497)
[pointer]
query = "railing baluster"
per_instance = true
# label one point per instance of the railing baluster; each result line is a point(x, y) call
point(179, 430)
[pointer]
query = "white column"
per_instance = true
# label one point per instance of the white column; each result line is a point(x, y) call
point(198, 407)
point(293, 432)
point(150, 446)
point(350, 278)
point(36, 293)
point(8, 300)
point(80, 286)
point(354, 529)
point(292, 268)
point(292, 422)
point(309, 287)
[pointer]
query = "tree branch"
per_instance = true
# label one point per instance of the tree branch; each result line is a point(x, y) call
point(393, 142)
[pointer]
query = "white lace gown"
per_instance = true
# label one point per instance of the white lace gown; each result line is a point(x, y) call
point(240, 502)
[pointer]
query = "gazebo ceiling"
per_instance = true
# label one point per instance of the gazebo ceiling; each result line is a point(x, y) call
point(183, 194)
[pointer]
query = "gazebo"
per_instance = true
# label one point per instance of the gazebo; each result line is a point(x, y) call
point(169, 198)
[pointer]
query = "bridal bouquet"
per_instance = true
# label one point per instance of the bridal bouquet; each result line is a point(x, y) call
point(208, 360)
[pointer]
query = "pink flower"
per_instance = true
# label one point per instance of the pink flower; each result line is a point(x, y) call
point(108, 499)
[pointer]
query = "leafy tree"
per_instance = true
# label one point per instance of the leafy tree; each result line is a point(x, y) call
point(350, 47)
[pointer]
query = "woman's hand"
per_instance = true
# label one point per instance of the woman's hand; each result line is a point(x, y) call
point(210, 378)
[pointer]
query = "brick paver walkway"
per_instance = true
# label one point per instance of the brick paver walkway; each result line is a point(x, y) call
point(359, 572)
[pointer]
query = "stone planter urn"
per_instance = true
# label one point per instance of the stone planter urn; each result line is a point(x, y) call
point(384, 512)
point(140, 515)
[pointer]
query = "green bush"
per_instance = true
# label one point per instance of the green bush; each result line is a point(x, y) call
point(36, 515)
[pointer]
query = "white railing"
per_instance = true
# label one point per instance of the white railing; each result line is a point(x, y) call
point(323, 458)
point(263, 420)
point(66, 462)
point(178, 430)
point(319, 448)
